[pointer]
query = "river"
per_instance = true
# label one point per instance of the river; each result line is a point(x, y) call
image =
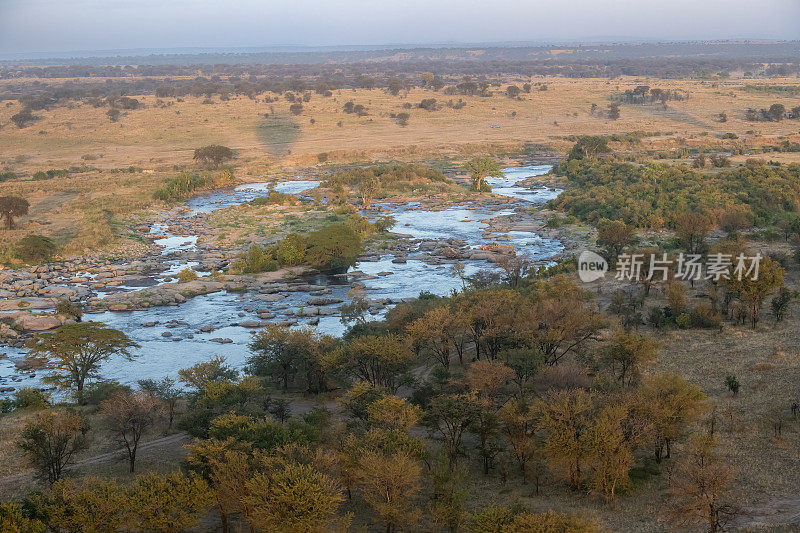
point(176, 341)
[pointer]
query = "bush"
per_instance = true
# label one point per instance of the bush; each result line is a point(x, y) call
point(334, 248)
point(683, 321)
point(34, 249)
point(97, 392)
point(68, 308)
point(256, 259)
point(732, 383)
point(292, 250)
point(181, 187)
point(186, 275)
point(30, 398)
point(704, 316)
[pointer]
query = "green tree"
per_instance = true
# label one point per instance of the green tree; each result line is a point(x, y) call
point(11, 207)
point(213, 154)
point(282, 353)
point(450, 416)
point(12, 520)
point(333, 248)
point(615, 236)
point(166, 391)
point(167, 503)
point(50, 442)
point(753, 291)
point(379, 360)
point(294, 497)
point(91, 505)
point(589, 146)
point(74, 352)
point(480, 168)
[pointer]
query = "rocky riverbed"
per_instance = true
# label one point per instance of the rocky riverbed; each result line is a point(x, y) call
point(177, 324)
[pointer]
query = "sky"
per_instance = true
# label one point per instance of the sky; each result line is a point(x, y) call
point(36, 26)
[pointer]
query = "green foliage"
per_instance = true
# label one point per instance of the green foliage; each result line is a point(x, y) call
point(263, 434)
point(213, 154)
point(34, 249)
point(480, 168)
point(99, 391)
point(13, 520)
point(184, 185)
point(68, 308)
point(333, 248)
point(732, 384)
point(30, 398)
point(391, 179)
point(655, 195)
point(74, 352)
point(186, 275)
point(291, 251)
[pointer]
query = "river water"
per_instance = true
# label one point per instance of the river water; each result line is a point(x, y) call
point(160, 356)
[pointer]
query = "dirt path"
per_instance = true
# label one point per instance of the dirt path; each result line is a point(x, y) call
point(147, 448)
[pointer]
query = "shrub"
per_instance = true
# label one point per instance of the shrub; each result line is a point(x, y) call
point(34, 249)
point(30, 398)
point(704, 316)
point(68, 308)
point(97, 392)
point(333, 248)
point(683, 321)
point(186, 275)
point(256, 259)
point(181, 187)
point(292, 250)
point(732, 384)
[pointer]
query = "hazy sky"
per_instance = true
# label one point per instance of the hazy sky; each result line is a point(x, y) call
point(28, 26)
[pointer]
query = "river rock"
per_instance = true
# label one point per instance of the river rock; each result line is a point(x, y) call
point(324, 301)
point(40, 323)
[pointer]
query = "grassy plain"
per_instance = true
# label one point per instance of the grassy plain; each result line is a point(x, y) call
point(98, 205)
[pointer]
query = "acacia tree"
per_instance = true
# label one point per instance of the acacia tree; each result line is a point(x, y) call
point(692, 230)
point(753, 291)
point(664, 406)
point(608, 450)
point(281, 353)
point(565, 417)
point(166, 391)
point(626, 354)
point(51, 440)
point(428, 334)
point(213, 154)
point(171, 502)
point(379, 360)
point(589, 146)
point(12, 206)
point(128, 416)
point(389, 483)
point(480, 168)
point(450, 415)
point(294, 497)
point(91, 504)
point(367, 187)
point(518, 423)
point(615, 235)
point(74, 352)
point(700, 489)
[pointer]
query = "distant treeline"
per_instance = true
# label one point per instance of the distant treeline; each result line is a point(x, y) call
point(166, 81)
